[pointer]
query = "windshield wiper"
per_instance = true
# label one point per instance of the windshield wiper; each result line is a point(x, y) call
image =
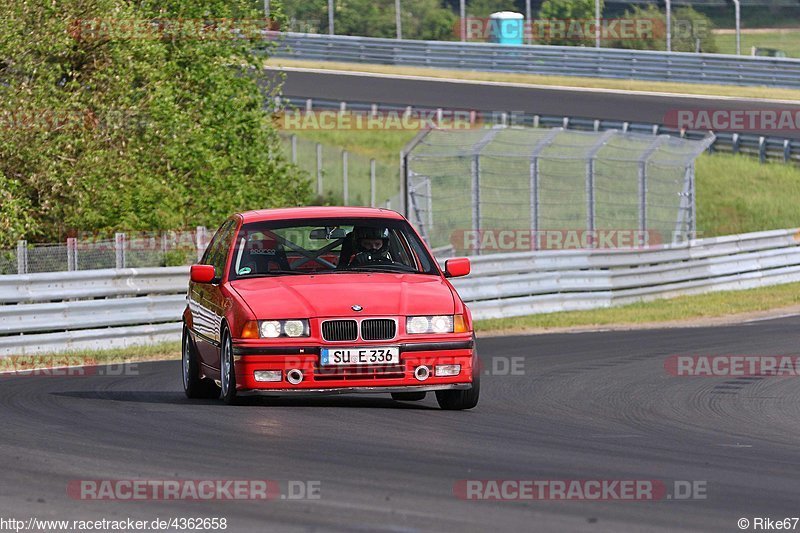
point(379, 268)
point(274, 273)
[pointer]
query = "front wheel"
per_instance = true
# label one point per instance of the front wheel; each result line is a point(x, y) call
point(193, 385)
point(456, 400)
point(227, 370)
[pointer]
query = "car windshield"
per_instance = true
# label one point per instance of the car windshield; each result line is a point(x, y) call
point(328, 246)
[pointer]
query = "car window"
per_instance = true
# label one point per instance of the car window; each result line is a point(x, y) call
point(327, 246)
point(217, 251)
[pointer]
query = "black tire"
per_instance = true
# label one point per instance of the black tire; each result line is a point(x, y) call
point(457, 400)
point(227, 370)
point(193, 385)
point(408, 396)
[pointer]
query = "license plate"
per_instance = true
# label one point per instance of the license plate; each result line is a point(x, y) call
point(360, 356)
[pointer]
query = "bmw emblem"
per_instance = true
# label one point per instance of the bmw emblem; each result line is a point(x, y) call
point(357, 308)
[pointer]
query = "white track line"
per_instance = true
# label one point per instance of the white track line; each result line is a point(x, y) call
point(526, 85)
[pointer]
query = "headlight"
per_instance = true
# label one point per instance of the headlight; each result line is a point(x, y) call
point(271, 329)
point(294, 328)
point(416, 325)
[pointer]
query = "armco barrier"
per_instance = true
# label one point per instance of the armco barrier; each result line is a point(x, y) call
point(549, 60)
point(118, 308)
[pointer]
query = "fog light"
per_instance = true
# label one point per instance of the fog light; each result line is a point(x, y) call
point(267, 375)
point(447, 370)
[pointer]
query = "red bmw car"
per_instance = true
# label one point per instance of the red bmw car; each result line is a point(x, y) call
point(327, 300)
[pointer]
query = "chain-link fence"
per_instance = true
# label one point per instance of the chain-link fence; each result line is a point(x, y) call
point(340, 177)
point(135, 250)
point(513, 189)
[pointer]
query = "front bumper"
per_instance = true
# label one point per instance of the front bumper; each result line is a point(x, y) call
point(364, 390)
point(251, 358)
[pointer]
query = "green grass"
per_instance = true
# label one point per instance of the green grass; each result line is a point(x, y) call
point(382, 146)
point(737, 194)
point(788, 41)
point(156, 352)
point(682, 308)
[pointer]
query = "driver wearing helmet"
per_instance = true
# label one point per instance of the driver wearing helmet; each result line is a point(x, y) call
point(371, 246)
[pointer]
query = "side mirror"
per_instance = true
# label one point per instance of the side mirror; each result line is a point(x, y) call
point(455, 268)
point(202, 273)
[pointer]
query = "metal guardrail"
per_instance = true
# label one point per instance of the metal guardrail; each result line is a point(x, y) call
point(549, 60)
point(765, 148)
point(116, 308)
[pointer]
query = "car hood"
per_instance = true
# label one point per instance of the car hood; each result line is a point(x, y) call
point(333, 295)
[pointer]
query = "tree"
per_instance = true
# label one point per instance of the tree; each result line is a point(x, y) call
point(484, 8)
point(688, 26)
point(112, 120)
point(566, 22)
point(421, 19)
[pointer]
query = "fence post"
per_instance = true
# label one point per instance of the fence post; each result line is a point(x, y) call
point(22, 257)
point(476, 178)
point(309, 105)
point(534, 182)
point(294, 148)
point(119, 250)
point(643, 160)
point(475, 171)
point(72, 254)
point(201, 241)
point(319, 169)
point(590, 174)
point(372, 181)
point(692, 206)
point(787, 150)
point(345, 184)
point(164, 247)
point(762, 149)
point(405, 172)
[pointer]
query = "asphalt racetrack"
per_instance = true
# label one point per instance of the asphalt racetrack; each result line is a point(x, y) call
point(558, 101)
point(587, 406)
